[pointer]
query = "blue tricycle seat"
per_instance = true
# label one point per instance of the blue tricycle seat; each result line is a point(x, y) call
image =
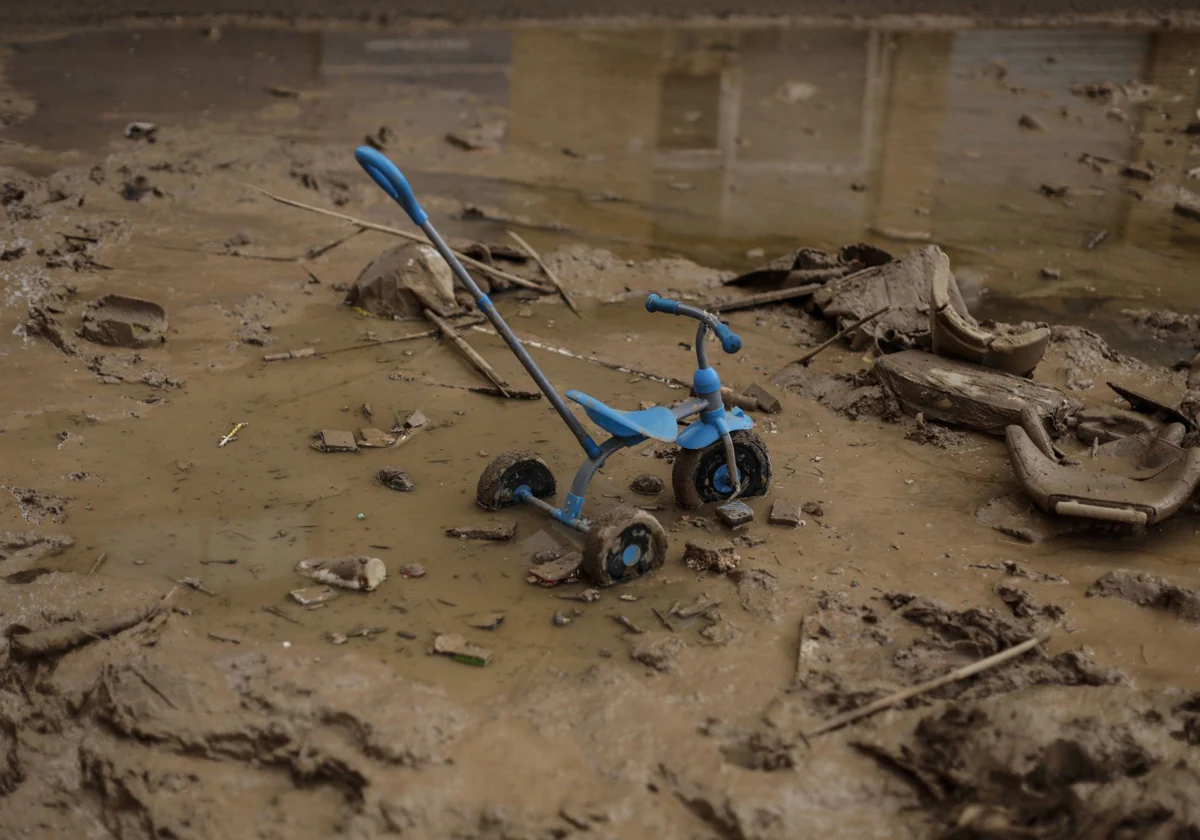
point(658, 423)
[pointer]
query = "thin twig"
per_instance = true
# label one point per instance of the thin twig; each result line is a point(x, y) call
point(566, 296)
point(669, 381)
point(99, 562)
point(839, 721)
point(403, 234)
point(808, 357)
point(663, 619)
point(275, 611)
point(467, 350)
point(798, 677)
point(767, 297)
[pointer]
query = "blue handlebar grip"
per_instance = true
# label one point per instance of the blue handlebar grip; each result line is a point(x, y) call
point(654, 303)
point(731, 342)
point(391, 181)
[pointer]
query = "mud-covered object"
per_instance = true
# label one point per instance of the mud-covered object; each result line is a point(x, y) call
point(810, 265)
point(905, 285)
point(120, 321)
point(965, 394)
point(402, 281)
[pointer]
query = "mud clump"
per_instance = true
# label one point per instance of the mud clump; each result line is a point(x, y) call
point(402, 282)
point(120, 321)
point(710, 555)
point(658, 651)
point(855, 396)
point(933, 434)
point(36, 506)
point(1146, 590)
point(1166, 325)
point(995, 769)
point(758, 593)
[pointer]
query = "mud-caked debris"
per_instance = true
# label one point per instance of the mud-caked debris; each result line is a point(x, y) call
point(402, 282)
point(335, 440)
point(146, 131)
point(1015, 515)
point(758, 592)
point(657, 650)
point(767, 402)
point(647, 485)
point(554, 572)
point(313, 595)
point(560, 619)
point(36, 506)
point(493, 531)
point(813, 508)
point(486, 621)
point(720, 633)
point(735, 514)
point(396, 479)
point(1023, 604)
point(1147, 590)
point(373, 439)
point(459, 649)
point(709, 555)
point(785, 512)
point(120, 321)
point(1032, 122)
point(362, 573)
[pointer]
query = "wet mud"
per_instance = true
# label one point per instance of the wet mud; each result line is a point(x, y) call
point(450, 673)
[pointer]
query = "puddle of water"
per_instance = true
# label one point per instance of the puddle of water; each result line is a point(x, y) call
point(717, 141)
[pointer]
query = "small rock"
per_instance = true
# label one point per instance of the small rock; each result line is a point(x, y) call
point(364, 573)
point(416, 420)
point(412, 570)
point(460, 650)
point(547, 555)
point(283, 92)
point(710, 556)
point(1031, 122)
point(720, 633)
point(396, 479)
point(749, 541)
point(657, 650)
point(142, 131)
point(813, 509)
point(496, 532)
point(647, 485)
point(1053, 190)
point(561, 620)
point(784, 512)
point(1137, 172)
point(1050, 273)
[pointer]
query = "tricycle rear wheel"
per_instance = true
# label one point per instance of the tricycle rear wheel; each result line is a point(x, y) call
point(516, 468)
point(623, 544)
point(700, 475)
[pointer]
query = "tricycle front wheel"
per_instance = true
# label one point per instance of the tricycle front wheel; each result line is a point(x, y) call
point(701, 476)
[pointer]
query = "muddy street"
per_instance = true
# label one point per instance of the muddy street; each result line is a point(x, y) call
point(247, 588)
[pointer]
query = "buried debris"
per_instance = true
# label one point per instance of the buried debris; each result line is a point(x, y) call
point(767, 402)
point(373, 439)
point(402, 282)
point(312, 596)
point(494, 531)
point(658, 651)
point(459, 649)
point(120, 321)
point(396, 479)
point(333, 440)
point(70, 634)
point(362, 573)
point(412, 570)
point(486, 621)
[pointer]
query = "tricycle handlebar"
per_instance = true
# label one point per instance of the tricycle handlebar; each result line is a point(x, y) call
point(730, 342)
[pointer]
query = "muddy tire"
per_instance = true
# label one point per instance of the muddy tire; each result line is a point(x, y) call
point(499, 482)
point(623, 545)
point(698, 475)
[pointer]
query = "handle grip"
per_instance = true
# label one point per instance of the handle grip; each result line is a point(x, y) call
point(730, 342)
point(654, 303)
point(392, 181)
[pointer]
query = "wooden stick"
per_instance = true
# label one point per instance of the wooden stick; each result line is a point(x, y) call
point(767, 297)
point(853, 715)
point(808, 357)
point(799, 676)
point(99, 562)
point(467, 350)
point(566, 296)
point(513, 393)
point(669, 381)
point(403, 234)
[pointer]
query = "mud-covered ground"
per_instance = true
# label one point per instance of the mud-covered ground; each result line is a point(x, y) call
point(229, 710)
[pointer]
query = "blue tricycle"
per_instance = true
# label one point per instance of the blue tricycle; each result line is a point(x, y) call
point(720, 459)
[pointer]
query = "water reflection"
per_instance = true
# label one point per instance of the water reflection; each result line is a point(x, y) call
point(717, 140)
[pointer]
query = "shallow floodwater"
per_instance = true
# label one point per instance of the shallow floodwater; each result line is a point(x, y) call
point(710, 142)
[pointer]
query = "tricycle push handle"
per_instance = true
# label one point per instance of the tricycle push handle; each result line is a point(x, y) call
point(730, 342)
point(392, 181)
